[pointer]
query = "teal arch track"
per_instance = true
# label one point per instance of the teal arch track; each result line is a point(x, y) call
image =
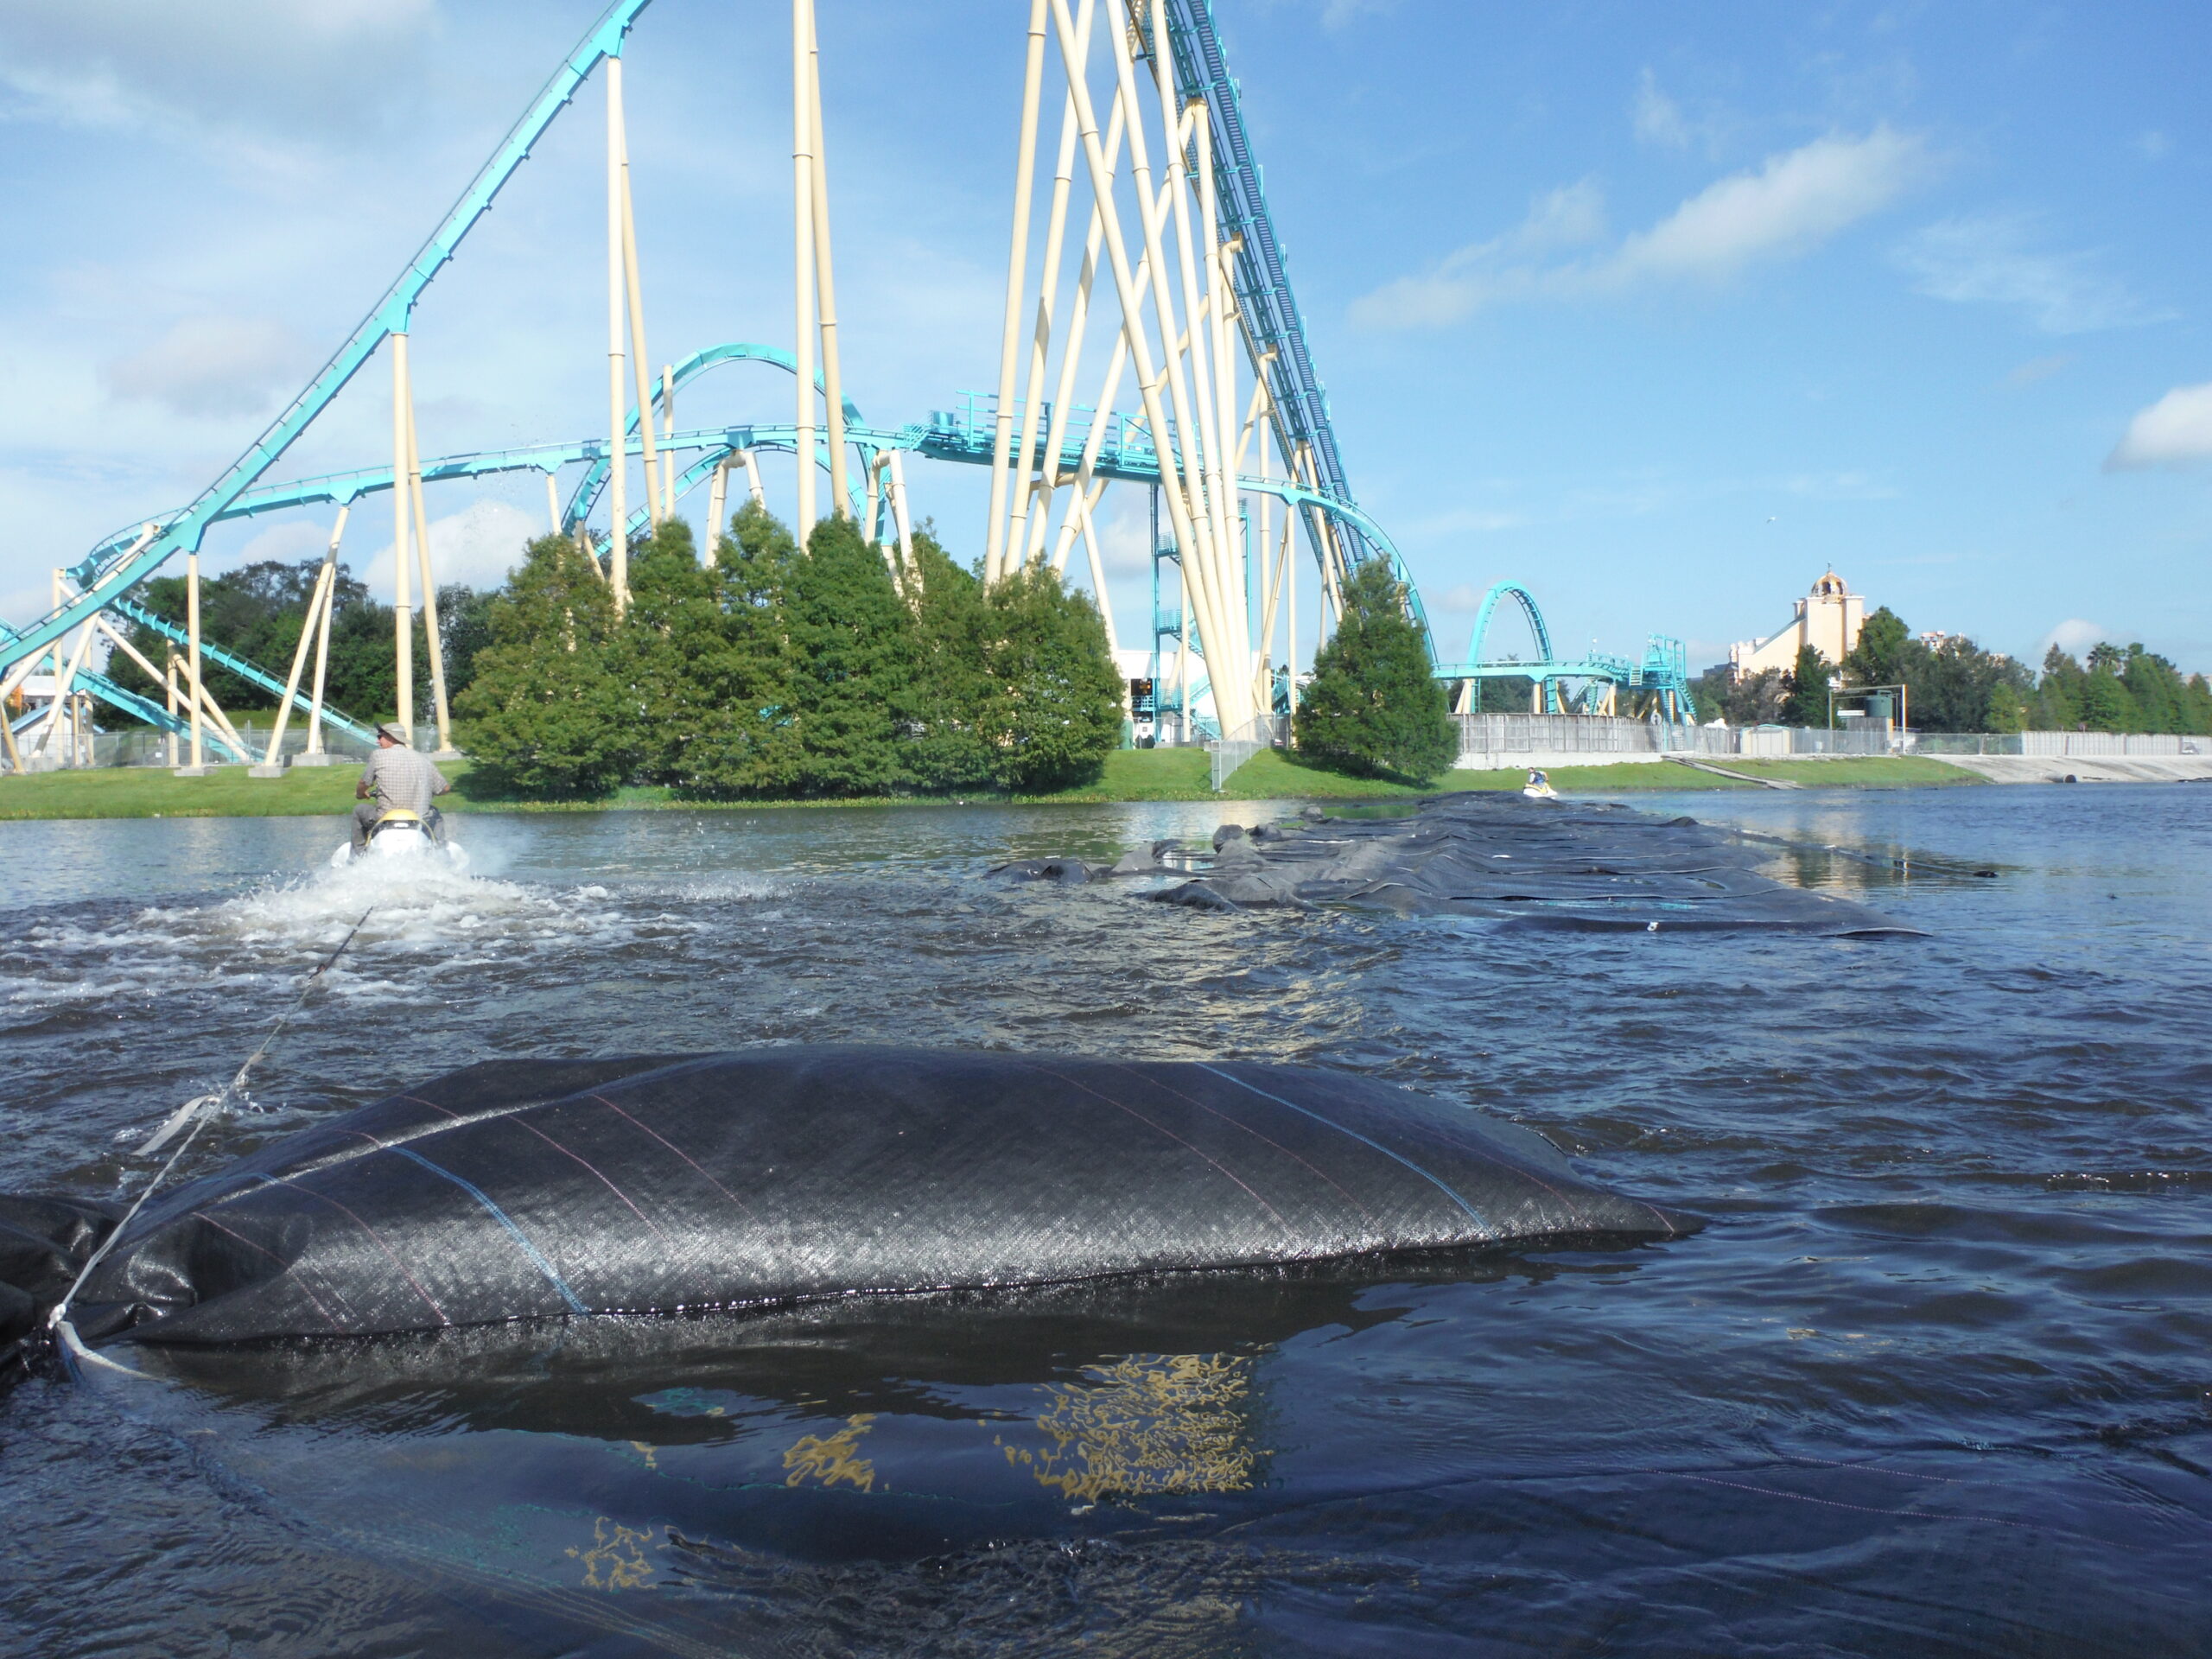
point(105, 577)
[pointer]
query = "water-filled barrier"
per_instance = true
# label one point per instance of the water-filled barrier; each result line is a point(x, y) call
point(1546, 864)
point(521, 1189)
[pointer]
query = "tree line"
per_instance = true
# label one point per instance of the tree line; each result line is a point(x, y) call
point(1955, 686)
point(257, 611)
point(782, 671)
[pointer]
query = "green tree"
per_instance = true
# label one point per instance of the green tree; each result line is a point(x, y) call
point(547, 713)
point(1371, 708)
point(2156, 687)
point(2197, 705)
point(952, 748)
point(2007, 708)
point(464, 629)
point(737, 655)
point(1805, 695)
point(1881, 653)
point(2105, 702)
point(2058, 695)
point(1052, 710)
point(853, 690)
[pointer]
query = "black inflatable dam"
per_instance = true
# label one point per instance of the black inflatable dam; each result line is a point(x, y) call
point(523, 1189)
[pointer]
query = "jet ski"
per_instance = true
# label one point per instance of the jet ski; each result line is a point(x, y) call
point(399, 833)
point(1538, 788)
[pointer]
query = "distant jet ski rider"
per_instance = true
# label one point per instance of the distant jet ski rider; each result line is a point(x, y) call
point(396, 777)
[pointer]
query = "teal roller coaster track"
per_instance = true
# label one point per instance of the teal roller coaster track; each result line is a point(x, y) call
point(105, 578)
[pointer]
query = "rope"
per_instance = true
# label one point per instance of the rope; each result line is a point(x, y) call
point(198, 1112)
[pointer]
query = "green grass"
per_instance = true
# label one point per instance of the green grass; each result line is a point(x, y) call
point(1130, 775)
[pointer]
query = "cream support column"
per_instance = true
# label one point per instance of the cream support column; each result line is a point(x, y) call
point(169, 679)
point(667, 431)
point(552, 506)
point(641, 374)
point(402, 648)
point(322, 639)
point(1125, 286)
point(192, 647)
point(431, 635)
point(802, 255)
point(272, 764)
point(1017, 267)
point(832, 377)
point(1040, 344)
point(752, 489)
point(617, 440)
point(899, 510)
point(715, 492)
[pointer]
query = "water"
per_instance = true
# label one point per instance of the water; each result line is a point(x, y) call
point(1935, 1381)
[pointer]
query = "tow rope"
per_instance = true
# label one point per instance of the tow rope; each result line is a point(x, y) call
point(196, 1113)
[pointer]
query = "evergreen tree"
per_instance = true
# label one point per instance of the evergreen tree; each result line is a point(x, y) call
point(1805, 698)
point(952, 749)
point(2106, 705)
point(546, 714)
point(2007, 708)
point(853, 689)
point(2156, 686)
point(1372, 708)
point(1881, 653)
point(657, 654)
point(1053, 710)
point(741, 665)
point(2196, 706)
point(2058, 697)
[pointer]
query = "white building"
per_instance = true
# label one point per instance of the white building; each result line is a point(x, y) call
point(1828, 619)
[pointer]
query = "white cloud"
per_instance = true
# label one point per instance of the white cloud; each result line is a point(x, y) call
point(1783, 209)
point(1658, 118)
point(2176, 431)
point(1791, 206)
point(211, 367)
point(477, 545)
point(1991, 259)
point(2074, 636)
point(2038, 368)
point(288, 67)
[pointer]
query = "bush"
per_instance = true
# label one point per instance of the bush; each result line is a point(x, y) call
point(546, 714)
point(1371, 708)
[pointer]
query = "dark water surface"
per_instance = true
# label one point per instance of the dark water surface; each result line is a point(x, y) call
point(1937, 1380)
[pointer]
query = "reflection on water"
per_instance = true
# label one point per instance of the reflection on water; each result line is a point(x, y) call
point(1932, 1382)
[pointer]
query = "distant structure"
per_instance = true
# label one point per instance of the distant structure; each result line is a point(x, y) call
point(1828, 619)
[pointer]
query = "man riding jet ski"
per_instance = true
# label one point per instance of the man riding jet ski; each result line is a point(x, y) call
point(398, 812)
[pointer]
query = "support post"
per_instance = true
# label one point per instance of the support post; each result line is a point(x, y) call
point(272, 761)
point(639, 372)
point(402, 649)
point(802, 255)
point(432, 637)
point(316, 754)
point(899, 512)
point(618, 440)
point(1017, 267)
point(552, 506)
point(715, 496)
point(667, 431)
point(833, 379)
point(197, 768)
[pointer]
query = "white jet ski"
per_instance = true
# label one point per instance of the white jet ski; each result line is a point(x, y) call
point(1538, 788)
point(398, 832)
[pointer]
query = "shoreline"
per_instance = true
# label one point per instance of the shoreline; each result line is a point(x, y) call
point(1131, 776)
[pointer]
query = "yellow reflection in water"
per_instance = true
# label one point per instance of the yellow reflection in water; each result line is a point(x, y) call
point(616, 1560)
point(1148, 1424)
point(832, 1460)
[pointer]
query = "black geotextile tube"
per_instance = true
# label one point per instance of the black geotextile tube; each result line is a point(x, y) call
point(521, 1189)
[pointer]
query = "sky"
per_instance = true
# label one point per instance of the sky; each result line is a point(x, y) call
point(1661, 311)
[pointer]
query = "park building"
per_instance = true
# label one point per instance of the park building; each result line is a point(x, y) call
point(1828, 619)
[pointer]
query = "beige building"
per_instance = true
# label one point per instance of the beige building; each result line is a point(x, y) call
point(1828, 619)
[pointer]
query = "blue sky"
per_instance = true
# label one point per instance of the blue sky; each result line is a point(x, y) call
point(1661, 310)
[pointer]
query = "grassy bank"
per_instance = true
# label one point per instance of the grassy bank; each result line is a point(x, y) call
point(1130, 775)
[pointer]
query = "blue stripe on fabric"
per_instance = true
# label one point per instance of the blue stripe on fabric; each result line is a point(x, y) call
point(1473, 1214)
point(500, 1215)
